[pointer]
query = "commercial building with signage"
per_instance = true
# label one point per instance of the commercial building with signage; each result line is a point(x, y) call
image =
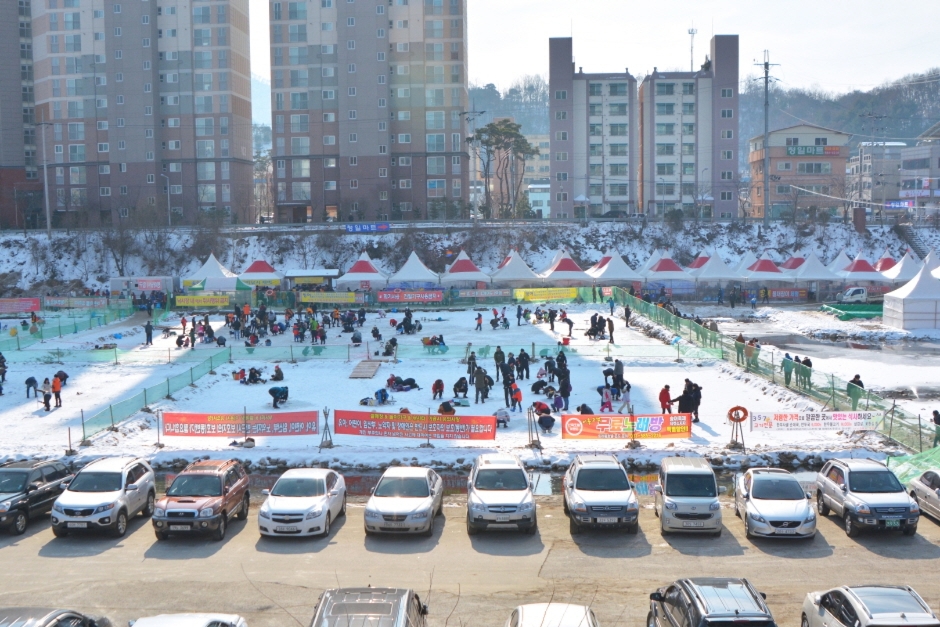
point(807, 171)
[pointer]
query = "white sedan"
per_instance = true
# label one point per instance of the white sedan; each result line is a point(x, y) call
point(190, 620)
point(303, 502)
point(773, 504)
point(406, 500)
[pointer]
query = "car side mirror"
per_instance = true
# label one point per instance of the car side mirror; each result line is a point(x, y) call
point(372, 490)
point(334, 492)
point(763, 595)
point(531, 485)
point(817, 600)
point(745, 495)
point(64, 485)
point(424, 610)
point(843, 487)
point(809, 496)
point(131, 488)
point(656, 596)
point(265, 492)
point(937, 491)
point(33, 487)
point(226, 490)
point(722, 489)
point(658, 489)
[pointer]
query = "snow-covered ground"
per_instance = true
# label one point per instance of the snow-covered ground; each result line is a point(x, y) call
point(317, 384)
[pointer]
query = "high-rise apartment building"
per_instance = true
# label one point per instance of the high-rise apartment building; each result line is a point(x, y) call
point(140, 99)
point(593, 137)
point(369, 105)
point(689, 137)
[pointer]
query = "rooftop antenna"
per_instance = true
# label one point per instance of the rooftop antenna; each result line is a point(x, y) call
point(692, 33)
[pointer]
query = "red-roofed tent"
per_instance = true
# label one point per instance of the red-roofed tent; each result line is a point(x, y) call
point(566, 272)
point(885, 262)
point(261, 273)
point(361, 275)
point(861, 270)
point(464, 272)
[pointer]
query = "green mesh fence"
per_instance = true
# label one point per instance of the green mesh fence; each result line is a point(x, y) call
point(60, 326)
point(910, 467)
point(832, 392)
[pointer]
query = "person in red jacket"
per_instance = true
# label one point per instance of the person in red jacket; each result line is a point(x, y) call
point(516, 398)
point(665, 400)
point(438, 389)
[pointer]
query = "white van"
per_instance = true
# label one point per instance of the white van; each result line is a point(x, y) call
point(686, 497)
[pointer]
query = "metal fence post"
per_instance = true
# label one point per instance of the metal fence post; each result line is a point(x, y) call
point(920, 434)
point(832, 384)
point(145, 397)
point(191, 376)
point(773, 367)
point(84, 437)
point(111, 411)
point(168, 387)
point(115, 356)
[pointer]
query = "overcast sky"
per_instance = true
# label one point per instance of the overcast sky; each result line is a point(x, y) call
point(835, 45)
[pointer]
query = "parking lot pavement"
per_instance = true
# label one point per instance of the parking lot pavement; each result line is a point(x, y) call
point(476, 580)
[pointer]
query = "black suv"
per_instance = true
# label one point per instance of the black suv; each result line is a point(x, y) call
point(705, 601)
point(27, 491)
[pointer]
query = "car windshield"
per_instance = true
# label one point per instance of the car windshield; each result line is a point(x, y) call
point(409, 487)
point(602, 480)
point(740, 623)
point(691, 485)
point(874, 481)
point(195, 485)
point(505, 479)
point(12, 481)
point(778, 489)
point(299, 486)
point(96, 482)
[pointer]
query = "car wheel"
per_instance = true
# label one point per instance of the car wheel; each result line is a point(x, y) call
point(737, 512)
point(573, 527)
point(633, 529)
point(147, 511)
point(717, 534)
point(850, 529)
point(910, 530)
point(472, 529)
point(662, 529)
point(326, 526)
point(59, 533)
point(20, 522)
point(533, 528)
point(120, 525)
point(564, 507)
point(243, 510)
point(440, 508)
point(161, 535)
point(430, 531)
point(342, 511)
point(219, 534)
point(650, 621)
point(821, 506)
point(368, 533)
point(747, 527)
point(804, 622)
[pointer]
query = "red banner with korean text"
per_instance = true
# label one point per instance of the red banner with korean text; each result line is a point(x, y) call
point(397, 296)
point(239, 425)
point(624, 427)
point(420, 426)
point(19, 305)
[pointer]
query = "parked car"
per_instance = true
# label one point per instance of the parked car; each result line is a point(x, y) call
point(709, 601)
point(925, 490)
point(615, 214)
point(303, 502)
point(686, 497)
point(46, 617)
point(859, 295)
point(552, 615)
point(861, 606)
point(388, 607)
point(104, 495)
point(405, 500)
point(773, 504)
point(203, 498)
point(499, 495)
point(190, 620)
point(598, 493)
point(866, 495)
point(27, 491)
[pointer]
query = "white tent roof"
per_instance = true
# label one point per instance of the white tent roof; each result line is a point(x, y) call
point(812, 269)
point(915, 305)
point(513, 268)
point(905, 269)
point(666, 269)
point(656, 256)
point(558, 255)
point(716, 270)
point(764, 269)
point(462, 270)
point(746, 262)
point(414, 272)
point(362, 270)
point(566, 271)
point(211, 269)
point(931, 262)
point(860, 270)
point(924, 286)
point(612, 268)
point(841, 262)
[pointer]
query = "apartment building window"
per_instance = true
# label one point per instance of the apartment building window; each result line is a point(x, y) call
point(618, 108)
point(727, 175)
point(383, 173)
point(437, 188)
point(618, 169)
point(351, 68)
point(351, 91)
point(730, 195)
point(380, 56)
point(298, 101)
point(595, 150)
point(434, 120)
point(296, 10)
point(665, 189)
point(435, 142)
point(561, 156)
point(297, 33)
point(561, 94)
point(145, 42)
point(329, 117)
point(205, 127)
point(561, 176)
point(73, 43)
point(380, 33)
point(299, 123)
point(727, 92)
point(618, 130)
point(404, 184)
point(353, 138)
point(727, 155)
point(727, 113)
point(381, 79)
point(328, 94)
point(382, 103)
point(814, 168)
point(665, 129)
point(595, 130)
point(618, 189)
point(618, 150)
point(665, 89)
point(665, 108)
point(405, 138)
point(301, 145)
point(561, 196)
point(618, 89)
point(664, 150)
point(561, 115)
point(688, 149)
point(688, 128)
point(665, 169)
point(727, 134)
point(329, 140)
point(782, 190)
point(561, 136)
point(792, 141)
point(688, 108)
point(822, 141)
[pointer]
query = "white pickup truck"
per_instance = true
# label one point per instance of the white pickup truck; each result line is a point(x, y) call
point(859, 295)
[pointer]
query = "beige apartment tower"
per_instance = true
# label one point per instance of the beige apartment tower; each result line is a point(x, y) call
point(143, 99)
point(369, 102)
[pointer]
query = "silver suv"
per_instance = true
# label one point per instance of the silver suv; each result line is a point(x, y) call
point(499, 495)
point(866, 495)
point(598, 493)
point(104, 495)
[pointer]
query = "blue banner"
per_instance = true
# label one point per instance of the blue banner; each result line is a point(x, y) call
point(369, 227)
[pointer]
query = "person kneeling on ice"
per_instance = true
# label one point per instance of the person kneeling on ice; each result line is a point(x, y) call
point(356, 338)
point(546, 422)
point(278, 374)
point(381, 396)
point(541, 408)
point(278, 394)
point(446, 409)
point(502, 417)
point(437, 388)
point(461, 387)
point(584, 410)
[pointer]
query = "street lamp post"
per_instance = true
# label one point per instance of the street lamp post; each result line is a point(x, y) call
point(169, 214)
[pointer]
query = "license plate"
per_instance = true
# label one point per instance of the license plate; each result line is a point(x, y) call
point(606, 520)
point(287, 529)
point(785, 532)
point(502, 519)
point(692, 523)
point(179, 527)
point(892, 523)
point(79, 525)
point(394, 525)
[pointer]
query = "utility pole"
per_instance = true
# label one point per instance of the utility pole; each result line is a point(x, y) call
point(45, 176)
point(766, 178)
point(692, 33)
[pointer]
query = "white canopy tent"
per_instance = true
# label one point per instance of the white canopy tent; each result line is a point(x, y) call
point(361, 275)
point(931, 261)
point(915, 305)
point(612, 269)
point(260, 272)
point(840, 263)
point(716, 270)
point(211, 269)
point(860, 270)
point(746, 262)
point(555, 257)
point(904, 270)
point(513, 271)
point(656, 256)
point(700, 261)
point(566, 272)
point(885, 261)
point(764, 269)
point(463, 271)
point(414, 274)
point(666, 269)
point(812, 269)
point(795, 261)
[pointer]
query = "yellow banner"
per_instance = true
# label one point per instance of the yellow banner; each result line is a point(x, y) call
point(546, 293)
point(307, 280)
point(202, 301)
point(329, 297)
point(261, 281)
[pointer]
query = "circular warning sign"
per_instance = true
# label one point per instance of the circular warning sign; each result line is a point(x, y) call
point(573, 426)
